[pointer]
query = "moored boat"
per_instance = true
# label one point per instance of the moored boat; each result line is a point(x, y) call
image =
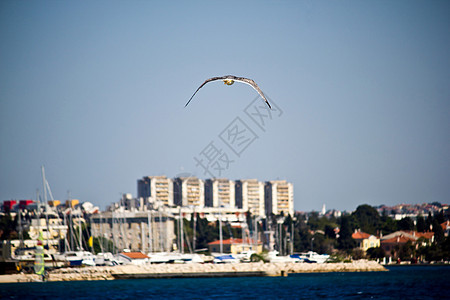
point(78, 258)
point(312, 257)
point(275, 258)
point(163, 257)
point(225, 259)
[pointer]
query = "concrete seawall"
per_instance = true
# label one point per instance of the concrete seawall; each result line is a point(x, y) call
point(194, 270)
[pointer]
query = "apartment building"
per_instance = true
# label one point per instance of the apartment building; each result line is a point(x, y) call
point(220, 192)
point(279, 197)
point(156, 189)
point(259, 198)
point(249, 195)
point(189, 191)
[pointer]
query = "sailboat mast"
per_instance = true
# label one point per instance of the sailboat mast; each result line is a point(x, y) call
point(44, 182)
point(149, 225)
point(21, 246)
point(194, 228)
point(220, 230)
point(161, 248)
point(181, 232)
point(255, 241)
point(79, 229)
point(72, 245)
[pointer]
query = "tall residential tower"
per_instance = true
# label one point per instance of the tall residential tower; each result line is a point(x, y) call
point(219, 192)
point(156, 189)
point(279, 197)
point(250, 196)
point(189, 191)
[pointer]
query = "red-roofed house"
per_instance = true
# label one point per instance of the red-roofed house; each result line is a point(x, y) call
point(391, 246)
point(391, 243)
point(136, 258)
point(413, 235)
point(235, 246)
point(429, 235)
point(365, 240)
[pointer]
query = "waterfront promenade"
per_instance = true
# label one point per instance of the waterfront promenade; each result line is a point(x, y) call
point(193, 270)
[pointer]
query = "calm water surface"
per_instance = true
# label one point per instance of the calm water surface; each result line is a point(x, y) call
point(401, 282)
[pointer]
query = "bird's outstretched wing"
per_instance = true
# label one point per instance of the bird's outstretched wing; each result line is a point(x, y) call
point(253, 85)
point(206, 81)
point(235, 78)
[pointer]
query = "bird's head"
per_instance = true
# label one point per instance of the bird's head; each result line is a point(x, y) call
point(228, 81)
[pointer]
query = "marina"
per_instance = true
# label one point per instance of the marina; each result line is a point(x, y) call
point(194, 270)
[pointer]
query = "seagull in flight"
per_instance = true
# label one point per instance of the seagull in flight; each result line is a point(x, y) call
point(229, 80)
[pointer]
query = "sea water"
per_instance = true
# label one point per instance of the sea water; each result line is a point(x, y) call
point(401, 282)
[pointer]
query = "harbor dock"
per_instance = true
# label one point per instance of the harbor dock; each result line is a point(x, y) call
point(193, 270)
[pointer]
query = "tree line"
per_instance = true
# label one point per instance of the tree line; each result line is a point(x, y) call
point(327, 234)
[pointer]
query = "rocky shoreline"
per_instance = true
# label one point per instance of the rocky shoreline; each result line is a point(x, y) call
point(193, 270)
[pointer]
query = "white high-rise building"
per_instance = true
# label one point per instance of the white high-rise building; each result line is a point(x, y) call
point(156, 189)
point(250, 196)
point(219, 192)
point(279, 197)
point(260, 198)
point(189, 191)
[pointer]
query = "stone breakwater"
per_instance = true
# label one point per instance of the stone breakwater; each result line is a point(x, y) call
point(194, 270)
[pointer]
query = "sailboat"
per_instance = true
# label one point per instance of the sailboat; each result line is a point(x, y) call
point(80, 256)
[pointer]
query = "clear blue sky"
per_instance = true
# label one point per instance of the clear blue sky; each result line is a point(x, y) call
point(95, 92)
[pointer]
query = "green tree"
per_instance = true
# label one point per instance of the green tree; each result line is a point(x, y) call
point(302, 237)
point(438, 231)
point(429, 222)
point(420, 224)
point(321, 244)
point(100, 243)
point(357, 253)
point(345, 240)
point(375, 253)
point(313, 221)
point(406, 251)
point(434, 253)
point(206, 233)
point(367, 218)
point(406, 224)
point(440, 217)
point(388, 225)
point(329, 231)
point(445, 246)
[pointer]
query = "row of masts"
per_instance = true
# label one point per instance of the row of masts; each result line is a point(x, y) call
point(46, 194)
